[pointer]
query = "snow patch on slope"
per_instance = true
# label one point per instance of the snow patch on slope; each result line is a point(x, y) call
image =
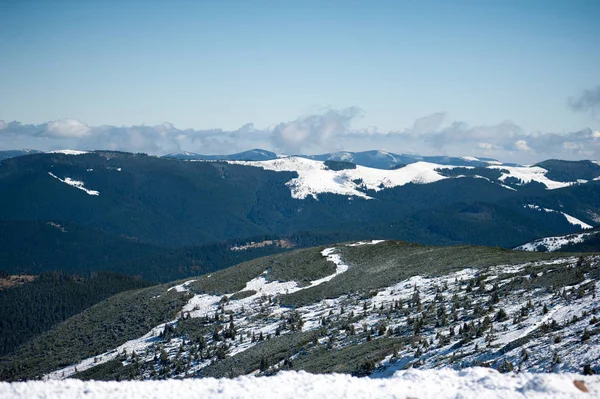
point(181, 287)
point(553, 244)
point(69, 152)
point(75, 183)
point(202, 304)
point(573, 220)
point(315, 178)
point(477, 383)
point(527, 174)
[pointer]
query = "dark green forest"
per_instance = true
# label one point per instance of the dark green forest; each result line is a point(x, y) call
point(32, 308)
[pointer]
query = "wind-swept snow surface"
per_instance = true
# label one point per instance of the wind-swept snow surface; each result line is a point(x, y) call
point(477, 383)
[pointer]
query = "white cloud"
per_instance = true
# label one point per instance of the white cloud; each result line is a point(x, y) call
point(569, 145)
point(521, 145)
point(68, 128)
point(330, 130)
point(313, 131)
point(428, 124)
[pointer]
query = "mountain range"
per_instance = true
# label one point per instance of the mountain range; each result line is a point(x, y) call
point(85, 211)
point(259, 263)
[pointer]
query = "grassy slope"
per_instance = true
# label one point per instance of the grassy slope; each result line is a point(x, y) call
point(132, 314)
point(101, 327)
point(384, 264)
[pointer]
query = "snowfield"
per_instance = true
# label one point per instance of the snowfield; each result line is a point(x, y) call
point(314, 177)
point(527, 174)
point(479, 383)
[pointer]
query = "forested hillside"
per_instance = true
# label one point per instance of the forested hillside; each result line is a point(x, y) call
point(30, 309)
point(175, 203)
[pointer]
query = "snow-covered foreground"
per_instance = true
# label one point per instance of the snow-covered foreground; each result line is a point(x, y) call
point(480, 383)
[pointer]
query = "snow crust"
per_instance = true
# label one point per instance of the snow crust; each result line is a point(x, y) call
point(315, 178)
point(69, 152)
point(477, 383)
point(573, 220)
point(75, 183)
point(527, 174)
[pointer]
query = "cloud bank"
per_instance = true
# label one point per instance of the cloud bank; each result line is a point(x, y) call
point(329, 130)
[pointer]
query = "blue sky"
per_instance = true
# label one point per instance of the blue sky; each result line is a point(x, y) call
point(208, 65)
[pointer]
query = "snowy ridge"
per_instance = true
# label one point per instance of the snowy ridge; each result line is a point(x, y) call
point(573, 220)
point(477, 383)
point(315, 178)
point(69, 152)
point(527, 174)
point(552, 244)
point(75, 183)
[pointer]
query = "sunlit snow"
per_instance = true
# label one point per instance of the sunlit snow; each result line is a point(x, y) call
point(69, 152)
point(527, 174)
point(573, 220)
point(556, 243)
point(315, 178)
point(75, 183)
point(476, 383)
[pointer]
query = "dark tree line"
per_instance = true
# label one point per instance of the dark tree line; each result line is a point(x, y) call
point(35, 307)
